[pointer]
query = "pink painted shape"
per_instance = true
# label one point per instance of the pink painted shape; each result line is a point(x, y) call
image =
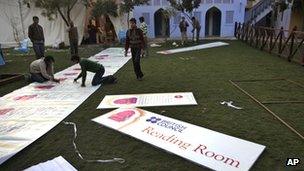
point(131, 100)
point(5, 111)
point(44, 87)
point(74, 73)
point(178, 96)
point(62, 79)
point(122, 116)
point(25, 97)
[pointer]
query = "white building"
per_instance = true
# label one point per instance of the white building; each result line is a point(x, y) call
point(217, 18)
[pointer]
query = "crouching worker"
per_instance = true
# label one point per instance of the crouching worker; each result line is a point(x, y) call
point(98, 69)
point(42, 70)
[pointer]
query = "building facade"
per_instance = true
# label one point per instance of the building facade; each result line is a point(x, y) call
point(217, 18)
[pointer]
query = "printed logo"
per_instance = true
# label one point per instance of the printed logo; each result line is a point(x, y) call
point(122, 116)
point(25, 97)
point(153, 119)
point(167, 124)
point(292, 161)
point(132, 100)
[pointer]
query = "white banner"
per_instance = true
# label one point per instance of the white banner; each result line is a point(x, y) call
point(28, 113)
point(198, 47)
point(145, 100)
point(203, 146)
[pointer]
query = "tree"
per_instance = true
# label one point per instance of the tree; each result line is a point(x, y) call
point(105, 7)
point(127, 6)
point(186, 7)
point(51, 8)
point(298, 5)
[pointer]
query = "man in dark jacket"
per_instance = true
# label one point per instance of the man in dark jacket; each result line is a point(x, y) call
point(183, 29)
point(135, 40)
point(35, 33)
point(98, 69)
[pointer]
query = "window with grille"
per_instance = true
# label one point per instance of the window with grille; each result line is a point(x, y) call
point(229, 17)
point(177, 18)
point(146, 16)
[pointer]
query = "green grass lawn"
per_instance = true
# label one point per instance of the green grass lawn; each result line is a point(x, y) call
point(206, 73)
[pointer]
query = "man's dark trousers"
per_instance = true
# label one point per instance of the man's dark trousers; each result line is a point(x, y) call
point(99, 79)
point(39, 50)
point(136, 61)
point(74, 47)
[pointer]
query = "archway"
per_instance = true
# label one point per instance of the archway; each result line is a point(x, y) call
point(213, 22)
point(161, 24)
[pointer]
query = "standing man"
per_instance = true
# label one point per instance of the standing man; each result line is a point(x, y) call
point(35, 33)
point(98, 69)
point(73, 38)
point(197, 27)
point(144, 29)
point(135, 40)
point(183, 29)
point(92, 30)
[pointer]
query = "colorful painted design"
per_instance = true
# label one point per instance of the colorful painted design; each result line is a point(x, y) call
point(44, 87)
point(68, 74)
point(131, 100)
point(25, 97)
point(62, 79)
point(5, 111)
point(122, 116)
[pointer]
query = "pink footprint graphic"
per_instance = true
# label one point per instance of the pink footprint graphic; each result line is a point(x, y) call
point(122, 116)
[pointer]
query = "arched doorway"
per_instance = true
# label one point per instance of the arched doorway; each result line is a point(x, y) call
point(161, 24)
point(213, 22)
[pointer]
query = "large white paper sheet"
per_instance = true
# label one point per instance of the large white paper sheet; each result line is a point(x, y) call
point(145, 100)
point(198, 47)
point(28, 113)
point(203, 146)
point(57, 164)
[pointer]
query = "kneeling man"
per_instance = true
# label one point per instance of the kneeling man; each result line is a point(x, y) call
point(98, 69)
point(42, 70)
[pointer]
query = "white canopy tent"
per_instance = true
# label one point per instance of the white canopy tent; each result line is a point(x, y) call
point(15, 17)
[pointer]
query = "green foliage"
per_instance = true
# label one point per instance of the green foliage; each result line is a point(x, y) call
point(105, 7)
point(128, 5)
point(185, 5)
point(51, 8)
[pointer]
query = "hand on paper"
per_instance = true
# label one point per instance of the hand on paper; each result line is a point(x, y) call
point(75, 80)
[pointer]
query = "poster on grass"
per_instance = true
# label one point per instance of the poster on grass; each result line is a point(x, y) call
point(191, 48)
point(145, 100)
point(203, 146)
